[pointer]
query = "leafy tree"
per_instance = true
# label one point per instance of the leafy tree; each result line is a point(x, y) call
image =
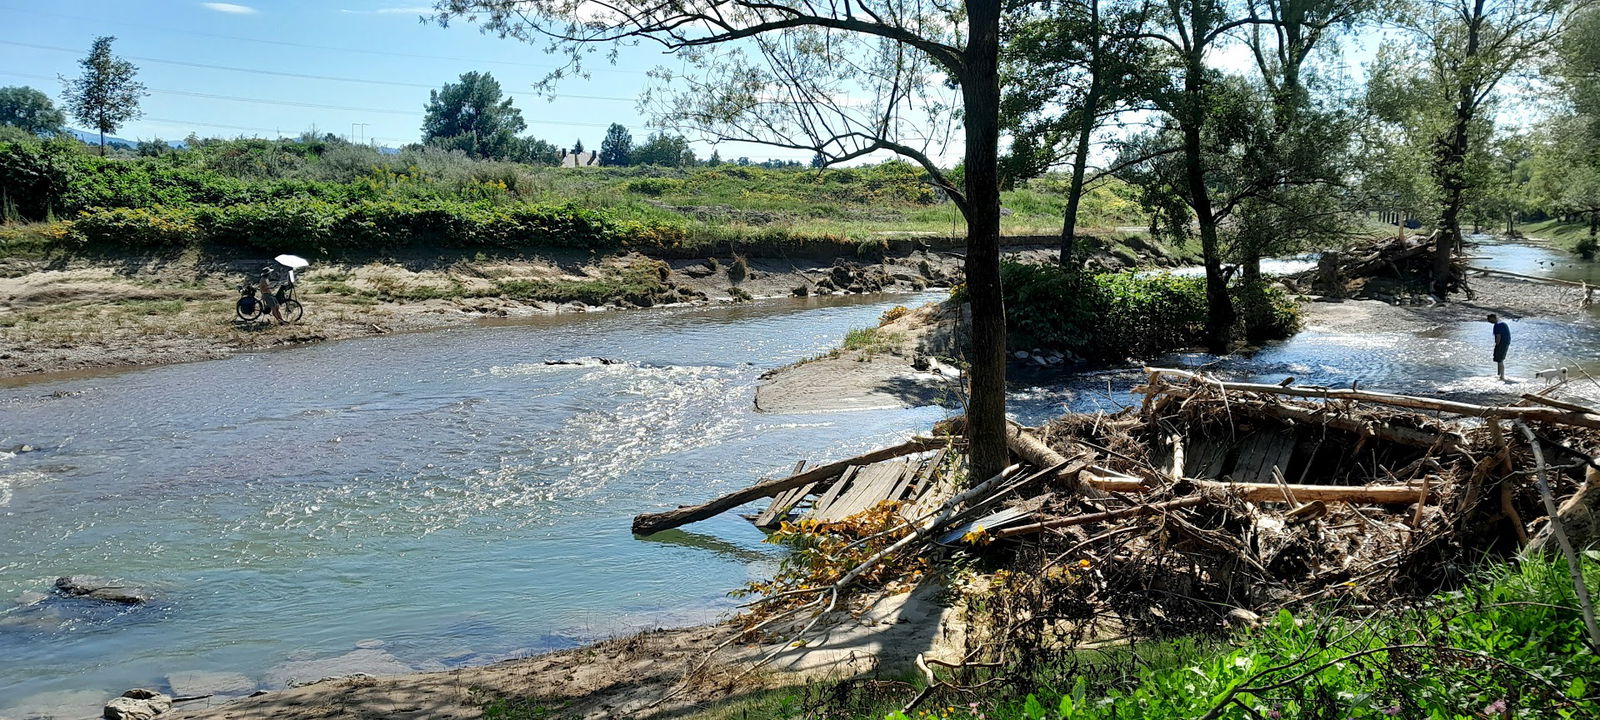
point(818, 161)
point(715, 159)
point(577, 147)
point(106, 95)
point(31, 110)
point(1069, 68)
point(664, 150)
point(534, 151)
point(785, 72)
point(617, 148)
point(472, 116)
point(1439, 84)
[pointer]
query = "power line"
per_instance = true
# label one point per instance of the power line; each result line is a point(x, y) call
point(302, 76)
point(292, 103)
point(308, 46)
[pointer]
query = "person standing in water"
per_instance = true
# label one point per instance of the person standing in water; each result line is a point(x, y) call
point(1502, 343)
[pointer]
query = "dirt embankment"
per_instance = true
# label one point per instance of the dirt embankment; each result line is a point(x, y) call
point(80, 313)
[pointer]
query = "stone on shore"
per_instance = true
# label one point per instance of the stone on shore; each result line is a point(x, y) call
point(137, 704)
point(104, 589)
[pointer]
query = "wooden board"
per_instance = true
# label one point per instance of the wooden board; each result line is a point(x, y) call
point(872, 485)
point(832, 493)
point(1260, 454)
point(993, 521)
point(784, 501)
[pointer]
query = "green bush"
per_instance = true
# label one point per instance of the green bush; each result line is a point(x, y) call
point(1511, 646)
point(1111, 316)
point(131, 228)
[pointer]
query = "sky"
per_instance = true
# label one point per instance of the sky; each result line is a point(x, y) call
point(238, 69)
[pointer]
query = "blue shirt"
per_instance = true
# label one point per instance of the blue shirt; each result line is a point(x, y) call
point(1502, 334)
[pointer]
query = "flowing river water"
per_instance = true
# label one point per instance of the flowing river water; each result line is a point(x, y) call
point(439, 499)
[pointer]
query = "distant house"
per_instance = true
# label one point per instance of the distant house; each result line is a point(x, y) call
point(583, 159)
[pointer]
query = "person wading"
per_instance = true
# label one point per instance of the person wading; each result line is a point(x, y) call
point(1502, 343)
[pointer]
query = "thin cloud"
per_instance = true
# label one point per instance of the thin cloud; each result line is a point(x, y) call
point(229, 8)
point(391, 11)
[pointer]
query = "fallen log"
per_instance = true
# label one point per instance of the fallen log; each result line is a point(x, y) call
point(1400, 435)
point(650, 523)
point(1520, 276)
point(1034, 452)
point(1355, 494)
point(1533, 414)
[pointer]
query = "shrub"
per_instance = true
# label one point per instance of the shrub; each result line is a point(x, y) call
point(156, 227)
point(739, 270)
point(893, 314)
point(1111, 316)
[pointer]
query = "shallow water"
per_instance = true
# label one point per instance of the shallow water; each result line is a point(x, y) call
point(445, 493)
point(454, 498)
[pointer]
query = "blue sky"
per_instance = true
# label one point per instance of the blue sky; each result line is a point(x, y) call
point(181, 48)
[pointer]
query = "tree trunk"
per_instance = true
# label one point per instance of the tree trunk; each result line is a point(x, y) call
point(1219, 309)
point(1452, 167)
point(1080, 161)
point(102, 143)
point(980, 82)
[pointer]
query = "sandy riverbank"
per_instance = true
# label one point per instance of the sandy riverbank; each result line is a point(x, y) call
point(663, 673)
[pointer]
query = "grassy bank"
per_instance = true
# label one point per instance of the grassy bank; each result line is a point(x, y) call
point(323, 197)
point(1569, 236)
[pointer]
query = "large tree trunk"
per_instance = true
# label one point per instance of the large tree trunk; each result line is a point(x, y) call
point(1452, 169)
point(986, 414)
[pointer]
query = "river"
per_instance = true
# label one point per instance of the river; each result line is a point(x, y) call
point(433, 500)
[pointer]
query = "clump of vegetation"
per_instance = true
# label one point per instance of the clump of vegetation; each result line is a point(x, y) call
point(1111, 316)
point(821, 553)
point(739, 294)
point(1510, 646)
point(871, 341)
point(893, 314)
point(739, 270)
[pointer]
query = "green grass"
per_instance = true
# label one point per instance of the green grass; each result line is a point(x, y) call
point(1512, 646)
point(1567, 235)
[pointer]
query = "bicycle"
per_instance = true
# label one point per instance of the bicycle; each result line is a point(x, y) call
point(249, 306)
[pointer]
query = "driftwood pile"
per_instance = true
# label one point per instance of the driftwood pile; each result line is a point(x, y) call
point(1215, 501)
point(1404, 259)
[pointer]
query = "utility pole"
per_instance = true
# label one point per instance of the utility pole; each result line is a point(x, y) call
point(363, 127)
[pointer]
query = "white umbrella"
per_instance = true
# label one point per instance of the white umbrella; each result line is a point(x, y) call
point(293, 262)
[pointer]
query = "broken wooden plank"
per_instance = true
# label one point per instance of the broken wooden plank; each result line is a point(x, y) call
point(1260, 455)
point(649, 523)
point(827, 498)
point(1362, 494)
point(990, 523)
point(872, 486)
point(783, 501)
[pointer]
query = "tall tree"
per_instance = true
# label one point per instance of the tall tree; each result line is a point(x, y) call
point(1457, 56)
point(842, 79)
point(472, 116)
point(617, 147)
point(663, 150)
point(31, 110)
point(1069, 68)
point(106, 95)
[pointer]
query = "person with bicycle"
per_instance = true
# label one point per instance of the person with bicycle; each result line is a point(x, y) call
point(269, 300)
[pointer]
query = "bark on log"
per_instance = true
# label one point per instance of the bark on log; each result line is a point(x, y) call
point(1361, 494)
point(1533, 414)
point(650, 523)
point(1034, 452)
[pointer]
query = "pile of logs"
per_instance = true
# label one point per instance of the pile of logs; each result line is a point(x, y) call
point(1215, 495)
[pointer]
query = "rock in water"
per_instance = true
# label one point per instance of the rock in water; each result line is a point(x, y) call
point(137, 704)
point(101, 589)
